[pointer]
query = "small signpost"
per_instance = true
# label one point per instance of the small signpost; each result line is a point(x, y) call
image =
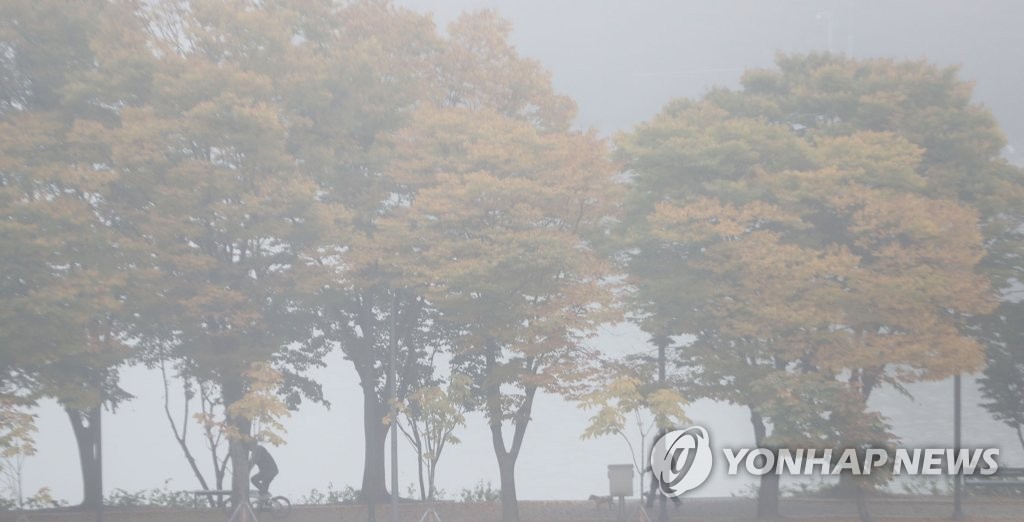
point(430, 514)
point(243, 513)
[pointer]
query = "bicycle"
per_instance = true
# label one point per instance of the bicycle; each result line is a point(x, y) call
point(278, 507)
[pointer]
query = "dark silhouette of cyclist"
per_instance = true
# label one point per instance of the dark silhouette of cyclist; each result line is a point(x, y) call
point(266, 466)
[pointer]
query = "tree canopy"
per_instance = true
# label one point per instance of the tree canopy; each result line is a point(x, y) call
point(823, 228)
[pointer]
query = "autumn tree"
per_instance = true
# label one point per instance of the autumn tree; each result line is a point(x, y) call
point(201, 406)
point(369, 64)
point(483, 82)
point(821, 246)
point(1002, 381)
point(366, 305)
point(500, 198)
point(431, 415)
point(64, 260)
point(627, 404)
point(507, 283)
point(496, 235)
point(212, 191)
point(931, 108)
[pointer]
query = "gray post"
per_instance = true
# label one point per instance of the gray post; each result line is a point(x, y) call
point(662, 500)
point(99, 460)
point(393, 393)
point(958, 512)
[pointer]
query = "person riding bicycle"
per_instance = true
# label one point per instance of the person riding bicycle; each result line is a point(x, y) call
point(266, 466)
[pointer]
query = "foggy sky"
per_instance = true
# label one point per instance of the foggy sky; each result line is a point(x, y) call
point(622, 61)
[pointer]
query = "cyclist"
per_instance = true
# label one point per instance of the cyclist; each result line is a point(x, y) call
point(266, 466)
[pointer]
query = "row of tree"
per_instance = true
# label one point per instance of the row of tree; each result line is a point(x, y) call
point(230, 191)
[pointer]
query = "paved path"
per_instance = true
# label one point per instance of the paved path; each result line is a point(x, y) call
point(918, 509)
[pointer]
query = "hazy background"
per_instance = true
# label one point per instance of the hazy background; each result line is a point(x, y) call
point(621, 62)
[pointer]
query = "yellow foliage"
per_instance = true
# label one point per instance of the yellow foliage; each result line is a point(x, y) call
point(260, 405)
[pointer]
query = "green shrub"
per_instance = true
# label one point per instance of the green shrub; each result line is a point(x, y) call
point(481, 493)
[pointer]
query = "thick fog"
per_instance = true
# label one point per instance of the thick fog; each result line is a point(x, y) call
point(621, 62)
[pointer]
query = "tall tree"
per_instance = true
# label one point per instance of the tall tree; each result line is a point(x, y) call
point(222, 212)
point(814, 243)
point(496, 238)
point(370, 64)
point(267, 124)
point(361, 293)
point(1002, 382)
point(931, 108)
point(64, 259)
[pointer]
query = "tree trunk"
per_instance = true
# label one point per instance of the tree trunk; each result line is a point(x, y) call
point(862, 505)
point(644, 456)
point(506, 456)
point(848, 487)
point(768, 496)
point(1020, 435)
point(419, 470)
point(87, 426)
point(375, 441)
point(238, 446)
point(432, 490)
point(768, 490)
point(509, 501)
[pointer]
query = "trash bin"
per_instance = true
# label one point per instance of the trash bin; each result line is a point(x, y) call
point(620, 480)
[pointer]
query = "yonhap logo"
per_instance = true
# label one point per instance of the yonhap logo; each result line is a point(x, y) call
point(681, 460)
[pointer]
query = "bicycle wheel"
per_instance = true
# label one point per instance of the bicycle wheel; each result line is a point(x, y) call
point(279, 507)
